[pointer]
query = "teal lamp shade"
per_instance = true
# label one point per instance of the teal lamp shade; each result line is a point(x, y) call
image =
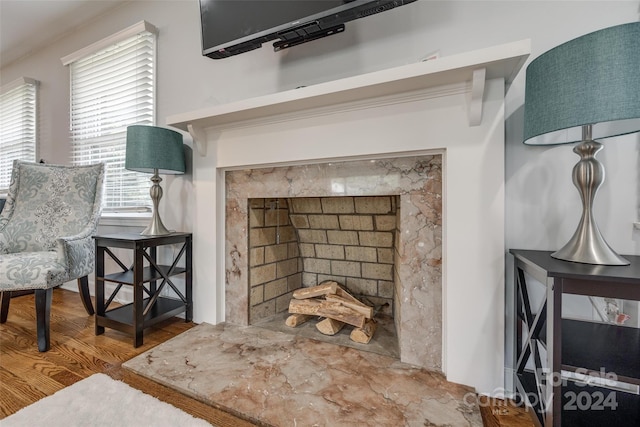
point(151, 147)
point(591, 80)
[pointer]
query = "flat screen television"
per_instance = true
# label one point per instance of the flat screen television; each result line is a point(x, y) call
point(231, 27)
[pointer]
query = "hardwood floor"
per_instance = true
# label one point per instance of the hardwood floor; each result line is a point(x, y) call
point(76, 353)
point(499, 413)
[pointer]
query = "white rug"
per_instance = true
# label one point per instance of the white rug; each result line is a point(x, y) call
point(101, 401)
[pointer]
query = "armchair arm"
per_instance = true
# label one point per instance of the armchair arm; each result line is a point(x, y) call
point(77, 252)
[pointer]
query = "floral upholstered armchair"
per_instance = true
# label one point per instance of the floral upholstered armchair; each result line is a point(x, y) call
point(46, 229)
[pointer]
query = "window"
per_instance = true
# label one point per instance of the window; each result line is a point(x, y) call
point(18, 126)
point(112, 87)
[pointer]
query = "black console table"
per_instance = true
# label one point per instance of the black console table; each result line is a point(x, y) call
point(546, 344)
point(147, 310)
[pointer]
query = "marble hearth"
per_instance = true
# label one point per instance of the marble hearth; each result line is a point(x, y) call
point(276, 379)
point(415, 180)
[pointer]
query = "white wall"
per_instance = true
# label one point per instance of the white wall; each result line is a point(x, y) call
point(542, 207)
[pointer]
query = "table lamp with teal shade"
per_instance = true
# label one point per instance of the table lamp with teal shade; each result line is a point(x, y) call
point(154, 150)
point(586, 89)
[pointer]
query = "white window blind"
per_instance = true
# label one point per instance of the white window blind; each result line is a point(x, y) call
point(18, 126)
point(112, 88)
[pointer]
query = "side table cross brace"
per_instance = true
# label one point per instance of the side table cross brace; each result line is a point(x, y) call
point(532, 342)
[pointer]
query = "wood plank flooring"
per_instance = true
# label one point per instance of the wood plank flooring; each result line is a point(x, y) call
point(76, 353)
point(27, 375)
point(499, 413)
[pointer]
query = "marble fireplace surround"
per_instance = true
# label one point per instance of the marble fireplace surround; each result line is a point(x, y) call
point(453, 106)
point(418, 277)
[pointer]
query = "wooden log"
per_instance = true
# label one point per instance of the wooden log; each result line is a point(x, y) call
point(304, 306)
point(365, 310)
point(329, 326)
point(363, 335)
point(316, 291)
point(296, 320)
point(329, 309)
point(343, 314)
point(341, 292)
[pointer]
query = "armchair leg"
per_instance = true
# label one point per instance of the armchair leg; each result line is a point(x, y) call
point(85, 296)
point(5, 299)
point(43, 312)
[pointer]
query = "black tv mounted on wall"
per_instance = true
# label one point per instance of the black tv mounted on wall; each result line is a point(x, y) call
point(231, 27)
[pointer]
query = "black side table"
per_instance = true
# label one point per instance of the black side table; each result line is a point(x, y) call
point(546, 344)
point(145, 310)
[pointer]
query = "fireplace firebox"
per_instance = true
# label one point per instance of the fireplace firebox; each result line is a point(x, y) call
point(373, 225)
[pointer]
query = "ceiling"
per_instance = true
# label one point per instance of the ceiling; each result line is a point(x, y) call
point(29, 25)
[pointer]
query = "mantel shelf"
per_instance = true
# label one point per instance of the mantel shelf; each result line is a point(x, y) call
point(473, 68)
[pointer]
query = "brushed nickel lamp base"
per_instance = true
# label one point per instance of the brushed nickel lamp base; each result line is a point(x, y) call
point(587, 245)
point(156, 227)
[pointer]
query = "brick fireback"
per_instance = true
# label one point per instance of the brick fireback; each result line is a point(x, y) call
point(303, 241)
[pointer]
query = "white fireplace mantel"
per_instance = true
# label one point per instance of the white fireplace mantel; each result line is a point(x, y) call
point(453, 106)
point(469, 68)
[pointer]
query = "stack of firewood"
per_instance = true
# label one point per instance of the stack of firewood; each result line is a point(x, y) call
point(336, 306)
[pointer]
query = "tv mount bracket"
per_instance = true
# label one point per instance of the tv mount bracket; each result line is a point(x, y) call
point(306, 33)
